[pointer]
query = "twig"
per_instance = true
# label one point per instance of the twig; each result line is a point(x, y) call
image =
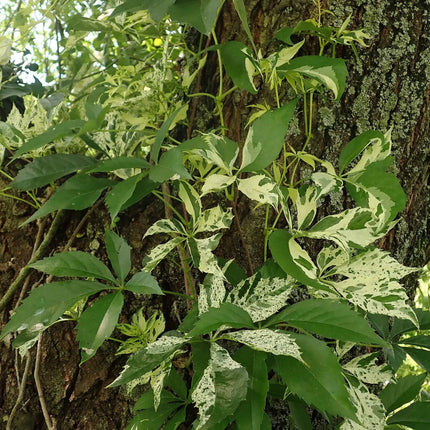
point(39, 388)
point(21, 391)
point(39, 253)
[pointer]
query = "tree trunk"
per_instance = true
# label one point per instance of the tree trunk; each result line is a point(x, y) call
point(388, 87)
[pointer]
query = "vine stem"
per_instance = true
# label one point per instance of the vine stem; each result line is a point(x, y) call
point(36, 256)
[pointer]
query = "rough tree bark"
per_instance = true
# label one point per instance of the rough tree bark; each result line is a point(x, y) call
point(388, 87)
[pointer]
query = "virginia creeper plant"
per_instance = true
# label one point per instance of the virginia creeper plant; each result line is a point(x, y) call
point(244, 341)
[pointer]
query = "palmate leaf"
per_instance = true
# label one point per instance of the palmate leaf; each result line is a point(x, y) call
point(79, 192)
point(265, 138)
point(372, 284)
point(420, 356)
point(74, 263)
point(415, 416)
point(222, 386)
point(239, 65)
point(318, 382)
point(118, 252)
point(143, 283)
point(146, 359)
point(403, 391)
point(249, 414)
point(169, 166)
point(369, 409)
point(47, 169)
point(47, 303)
point(97, 323)
point(328, 318)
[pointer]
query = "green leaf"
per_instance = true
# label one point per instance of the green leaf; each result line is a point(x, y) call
point(227, 315)
point(74, 263)
point(275, 342)
point(176, 420)
point(356, 146)
point(420, 356)
point(294, 260)
point(403, 391)
point(329, 72)
point(401, 326)
point(177, 384)
point(47, 169)
point(164, 130)
point(143, 283)
point(79, 192)
point(47, 303)
point(119, 254)
point(117, 163)
point(416, 416)
point(249, 414)
point(266, 138)
point(97, 323)
point(141, 190)
point(298, 413)
point(55, 132)
point(169, 166)
point(157, 10)
point(319, 382)
point(420, 340)
point(190, 199)
point(120, 194)
point(239, 65)
point(328, 318)
point(239, 5)
point(221, 388)
point(146, 359)
point(201, 14)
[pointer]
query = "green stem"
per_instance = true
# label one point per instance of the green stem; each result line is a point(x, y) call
point(19, 199)
point(157, 194)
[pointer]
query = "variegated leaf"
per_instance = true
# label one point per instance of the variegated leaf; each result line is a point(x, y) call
point(221, 388)
point(272, 341)
point(217, 182)
point(160, 252)
point(365, 369)
point(369, 408)
point(211, 294)
point(261, 189)
point(168, 226)
point(305, 200)
point(261, 297)
point(191, 200)
point(157, 380)
point(213, 219)
point(201, 253)
point(372, 284)
point(330, 257)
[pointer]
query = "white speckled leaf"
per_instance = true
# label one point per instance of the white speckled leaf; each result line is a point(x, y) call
point(169, 226)
point(261, 189)
point(157, 381)
point(372, 284)
point(330, 257)
point(202, 255)
point(220, 390)
point(211, 294)
point(261, 297)
point(305, 200)
point(217, 182)
point(370, 410)
point(191, 200)
point(213, 219)
point(365, 369)
point(159, 252)
point(266, 340)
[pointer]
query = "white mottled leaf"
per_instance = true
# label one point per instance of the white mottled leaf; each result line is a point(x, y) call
point(261, 189)
point(168, 226)
point(213, 219)
point(201, 253)
point(369, 408)
point(365, 369)
point(266, 340)
point(372, 284)
point(157, 381)
point(191, 200)
point(217, 182)
point(159, 252)
point(330, 257)
point(261, 297)
point(305, 200)
point(211, 294)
